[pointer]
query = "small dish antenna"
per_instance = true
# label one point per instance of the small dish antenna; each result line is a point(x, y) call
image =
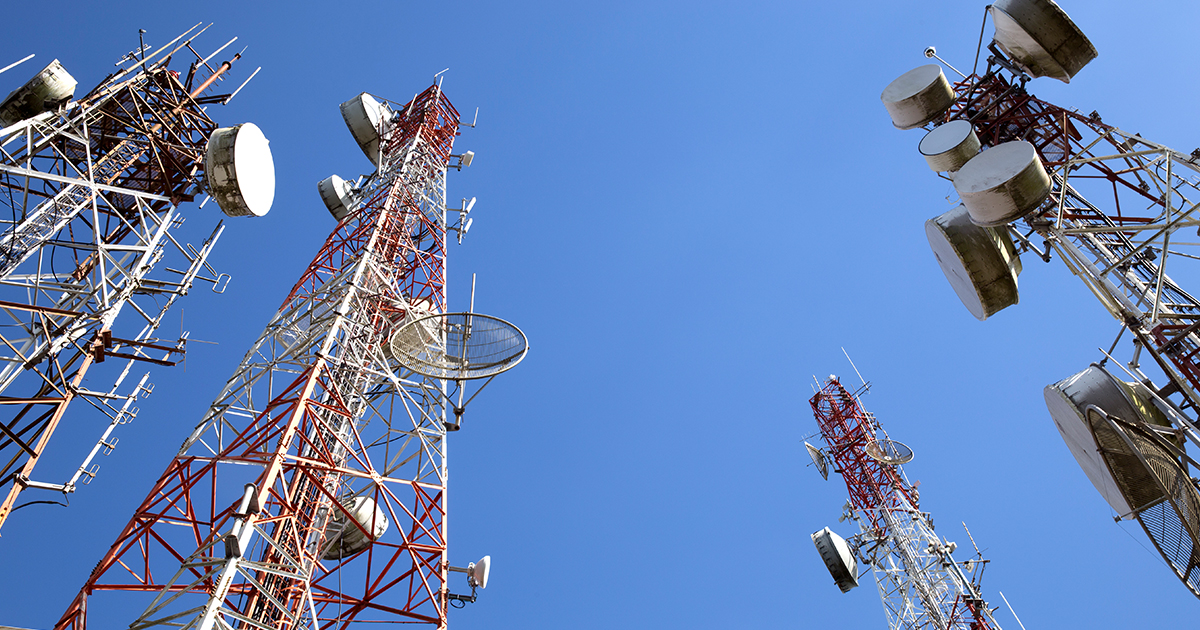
point(818, 459)
point(838, 558)
point(889, 452)
point(477, 578)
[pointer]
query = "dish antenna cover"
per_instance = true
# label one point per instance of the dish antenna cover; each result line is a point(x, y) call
point(981, 263)
point(362, 115)
point(1003, 184)
point(1041, 38)
point(477, 572)
point(818, 459)
point(838, 558)
point(918, 96)
point(335, 192)
point(240, 170)
point(52, 85)
point(350, 539)
point(459, 346)
point(950, 146)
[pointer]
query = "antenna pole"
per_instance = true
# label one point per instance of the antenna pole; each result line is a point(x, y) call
point(15, 64)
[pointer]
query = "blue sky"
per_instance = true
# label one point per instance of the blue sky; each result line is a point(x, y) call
point(689, 208)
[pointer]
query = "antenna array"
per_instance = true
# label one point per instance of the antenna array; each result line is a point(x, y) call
point(1110, 204)
point(90, 218)
point(313, 491)
point(920, 583)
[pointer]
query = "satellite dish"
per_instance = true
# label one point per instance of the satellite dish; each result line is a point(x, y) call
point(818, 459)
point(838, 558)
point(459, 346)
point(950, 146)
point(52, 85)
point(918, 96)
point(347, 539)
point(981, 263)
point(1041, 38)
point(362, 115)
point(1003, 184)
point(1165, 499)
point(889, 452)
point(477, 572)
point(1068, 401)
point(335, 192)
point(240, 170)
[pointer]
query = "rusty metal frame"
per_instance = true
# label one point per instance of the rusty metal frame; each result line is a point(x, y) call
point(90, 198)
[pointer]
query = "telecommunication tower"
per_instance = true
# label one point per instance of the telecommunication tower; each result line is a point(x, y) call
point(90, 217)
point(1051, 181)
point(920, 583)
point(313, 493)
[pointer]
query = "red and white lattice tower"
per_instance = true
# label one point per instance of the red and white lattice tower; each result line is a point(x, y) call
point(313, 492)
point(92, 252)
point(920, 583)
point(1110, 204)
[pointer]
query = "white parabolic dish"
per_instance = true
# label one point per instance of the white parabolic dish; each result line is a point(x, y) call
point(838, 558)
point(1003, 184)
point(335, 192)
point(918, 96)
point(980, 263)
point(1068, 400)
point(240, 170)
point(1040, 36)
point(950, 146)
point(362, 115)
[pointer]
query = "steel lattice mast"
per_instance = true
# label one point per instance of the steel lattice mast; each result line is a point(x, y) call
point(90, 194)
point(919, 581)
point(1114, 205)
point(317, 416)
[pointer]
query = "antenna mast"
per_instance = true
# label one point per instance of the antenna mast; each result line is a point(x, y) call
point(313, 491)
point(920, 583)
point(90, 221)
point(1110, 204)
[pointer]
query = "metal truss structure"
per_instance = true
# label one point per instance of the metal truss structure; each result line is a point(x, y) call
point(920, 583)
point(90, 195)
point(248, 525)
point(1114, 216)
point(1117, 202)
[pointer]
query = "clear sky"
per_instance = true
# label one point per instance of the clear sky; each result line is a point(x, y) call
point(689, 208)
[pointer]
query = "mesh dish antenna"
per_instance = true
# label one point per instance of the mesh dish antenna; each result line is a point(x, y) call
point(1146, 466)
point(459, 346)
point(889, 452)
point(1041, 38)
point(838, 558)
